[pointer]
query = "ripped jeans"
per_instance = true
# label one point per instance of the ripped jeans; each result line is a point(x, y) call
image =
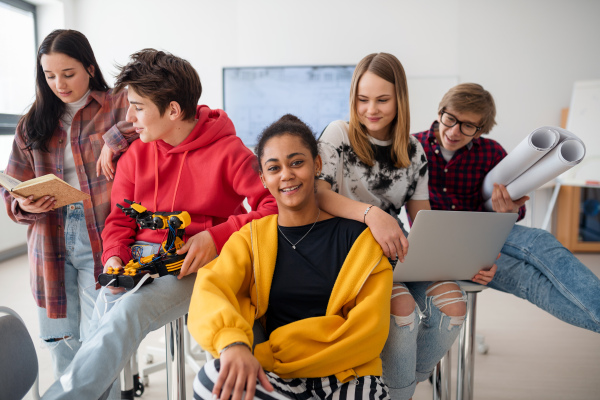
point(63, 336)
point(415, 345)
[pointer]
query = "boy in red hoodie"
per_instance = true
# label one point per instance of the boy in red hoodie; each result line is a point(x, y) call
point(189, 159)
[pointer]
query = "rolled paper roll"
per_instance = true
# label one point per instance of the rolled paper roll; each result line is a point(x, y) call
point(564, 156)
point(536, 145)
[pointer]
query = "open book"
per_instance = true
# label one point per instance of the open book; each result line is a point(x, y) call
point(46, 185)
point(543, 155)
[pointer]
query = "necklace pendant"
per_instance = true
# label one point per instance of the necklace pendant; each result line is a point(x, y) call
point(294, 247)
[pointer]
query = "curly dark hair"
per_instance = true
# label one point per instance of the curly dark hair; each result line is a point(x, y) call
point(287, 125)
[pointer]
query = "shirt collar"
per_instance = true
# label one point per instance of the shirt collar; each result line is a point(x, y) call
point(97, 95)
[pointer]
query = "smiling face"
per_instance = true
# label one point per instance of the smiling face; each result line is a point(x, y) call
point(146, 118)
point(289, 172)
point(451, 138)
point(66, 77)
point(376, 105)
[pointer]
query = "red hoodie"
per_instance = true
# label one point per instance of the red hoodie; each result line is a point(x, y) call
point(208, 175)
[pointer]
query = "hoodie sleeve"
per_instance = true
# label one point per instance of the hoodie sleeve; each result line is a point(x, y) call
point(120, 230)
point(221, 312)
point(245, 181)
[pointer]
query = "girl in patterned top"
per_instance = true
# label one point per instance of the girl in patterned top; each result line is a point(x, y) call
point(72, 131)
point(372, 167)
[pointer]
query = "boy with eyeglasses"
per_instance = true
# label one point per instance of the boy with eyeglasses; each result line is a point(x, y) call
point(533, 265)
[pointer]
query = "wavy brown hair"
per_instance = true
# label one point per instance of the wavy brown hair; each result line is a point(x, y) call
point(162, 78)
point(471, 97)
point(387, 67)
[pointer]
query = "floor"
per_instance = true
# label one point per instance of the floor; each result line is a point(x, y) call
point(532, 355)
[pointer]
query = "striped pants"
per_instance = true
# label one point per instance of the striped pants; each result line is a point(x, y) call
point(329, 388)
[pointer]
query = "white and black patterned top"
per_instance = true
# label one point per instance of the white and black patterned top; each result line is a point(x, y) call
point(382, 185)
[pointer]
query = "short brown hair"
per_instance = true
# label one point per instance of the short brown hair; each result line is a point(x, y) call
point(385, 66)
point(471, 97)
point(162, 78)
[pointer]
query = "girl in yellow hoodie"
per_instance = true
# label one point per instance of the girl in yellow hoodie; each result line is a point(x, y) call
point(318, 285)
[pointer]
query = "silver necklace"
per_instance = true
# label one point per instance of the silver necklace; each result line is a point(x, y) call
point(295, 244)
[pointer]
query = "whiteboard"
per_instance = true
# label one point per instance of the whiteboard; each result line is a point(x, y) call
point(584, 115)
point(254, 97)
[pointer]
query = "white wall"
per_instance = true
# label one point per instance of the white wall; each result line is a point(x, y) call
point(528, 53)
point(13, 236)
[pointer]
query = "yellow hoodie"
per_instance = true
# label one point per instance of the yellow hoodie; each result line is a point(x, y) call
point(233, 291)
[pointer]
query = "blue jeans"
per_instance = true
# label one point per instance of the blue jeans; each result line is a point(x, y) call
point(412, 351)
point(81, 293)
point(118, 334)
point(534, 266)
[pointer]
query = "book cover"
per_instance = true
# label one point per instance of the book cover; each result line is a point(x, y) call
point(46, 185)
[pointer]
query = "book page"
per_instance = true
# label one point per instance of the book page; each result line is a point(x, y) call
point(8, 181)
point(38, 180)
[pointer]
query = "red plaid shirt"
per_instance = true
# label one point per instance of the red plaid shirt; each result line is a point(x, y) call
point(101, 120)
point(456, 185)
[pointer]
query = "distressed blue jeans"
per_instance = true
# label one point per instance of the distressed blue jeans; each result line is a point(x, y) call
point(415, 345)
point(63, 336)
point(534, 266)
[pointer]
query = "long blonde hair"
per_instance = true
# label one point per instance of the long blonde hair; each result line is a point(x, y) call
point(387, 67)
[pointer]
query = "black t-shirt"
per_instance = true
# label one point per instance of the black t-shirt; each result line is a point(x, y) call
point(304, 277)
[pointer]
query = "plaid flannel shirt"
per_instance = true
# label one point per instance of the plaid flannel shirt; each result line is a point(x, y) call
point(101, 120)
point(456, 185)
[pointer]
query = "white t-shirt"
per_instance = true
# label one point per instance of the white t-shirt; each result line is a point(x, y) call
point(382, 185)
point(69, 171)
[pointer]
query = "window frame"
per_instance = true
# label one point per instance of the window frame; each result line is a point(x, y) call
point(8, 122)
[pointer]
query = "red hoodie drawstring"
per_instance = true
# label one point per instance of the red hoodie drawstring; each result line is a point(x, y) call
point(177, 181)
point(156, 178)
point(155, 175)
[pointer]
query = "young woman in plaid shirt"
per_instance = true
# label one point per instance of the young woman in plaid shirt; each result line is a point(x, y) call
point(72, 130)
point(371, 168)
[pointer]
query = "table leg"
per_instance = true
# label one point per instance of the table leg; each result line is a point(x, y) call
point(442, 378)
point(466, 351)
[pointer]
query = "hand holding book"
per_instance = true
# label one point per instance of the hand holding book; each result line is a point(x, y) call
point(41, 205)
point(40, 192)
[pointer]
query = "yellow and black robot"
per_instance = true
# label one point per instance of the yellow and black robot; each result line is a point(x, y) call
point(166, 261)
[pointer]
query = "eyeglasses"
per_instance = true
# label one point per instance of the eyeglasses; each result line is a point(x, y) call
point(466, 128)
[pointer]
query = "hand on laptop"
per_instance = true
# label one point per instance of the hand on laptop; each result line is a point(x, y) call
point(484, 277)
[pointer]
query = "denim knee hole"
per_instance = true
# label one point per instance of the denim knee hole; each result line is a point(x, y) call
point(439, 302)
point(52, 343)
point(403, 320)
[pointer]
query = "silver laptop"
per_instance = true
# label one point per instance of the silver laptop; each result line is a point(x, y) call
point(453, 245)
